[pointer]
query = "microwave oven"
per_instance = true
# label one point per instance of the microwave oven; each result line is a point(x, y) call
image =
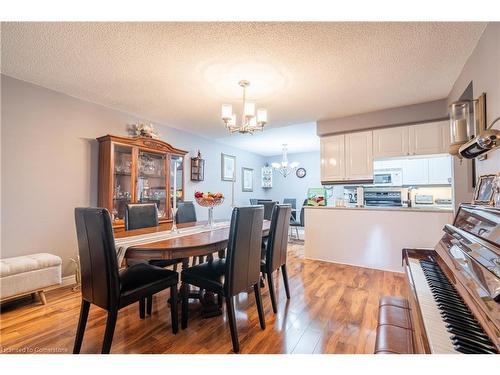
point(388, 177)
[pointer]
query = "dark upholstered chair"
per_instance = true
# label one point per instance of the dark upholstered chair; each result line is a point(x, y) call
point(293, 203)
point(276, 247)
point(299, 223)
point(145, 215)
point(254, 201)
point(238, 272)
point(186, 213)
point(104, 285)
point(140, 215)
point(268, 208)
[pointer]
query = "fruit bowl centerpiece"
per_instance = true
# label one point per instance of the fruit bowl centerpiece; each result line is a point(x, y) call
point(209, 200)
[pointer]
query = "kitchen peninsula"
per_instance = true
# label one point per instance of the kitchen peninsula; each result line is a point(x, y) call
point(371, 237)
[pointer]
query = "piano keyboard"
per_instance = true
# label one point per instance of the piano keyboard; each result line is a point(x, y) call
point(449, 324)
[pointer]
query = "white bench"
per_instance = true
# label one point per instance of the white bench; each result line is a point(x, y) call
point(29, 274)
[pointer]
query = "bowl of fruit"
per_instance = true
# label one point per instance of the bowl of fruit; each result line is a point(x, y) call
point(209, 199)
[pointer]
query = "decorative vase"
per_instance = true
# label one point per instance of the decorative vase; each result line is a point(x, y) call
point(210, 203)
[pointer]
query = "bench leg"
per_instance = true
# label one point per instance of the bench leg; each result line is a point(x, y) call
point(41, 294)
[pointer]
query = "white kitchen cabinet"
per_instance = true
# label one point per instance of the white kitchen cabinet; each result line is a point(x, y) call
point(416, 172)
point(428, 139)
point(440, 170)
point(333, 158)
point(390, 142)
point(359, 156)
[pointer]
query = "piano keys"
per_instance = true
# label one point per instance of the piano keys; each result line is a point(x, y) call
point(455, 288)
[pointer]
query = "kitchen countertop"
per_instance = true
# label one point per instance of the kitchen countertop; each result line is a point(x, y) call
point(365, 208)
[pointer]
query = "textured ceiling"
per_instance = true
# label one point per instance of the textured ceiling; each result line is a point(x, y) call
point(180, 73)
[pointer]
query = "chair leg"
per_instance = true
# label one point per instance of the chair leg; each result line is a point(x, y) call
point(232, 323)
point(285, 280)
point(258, 302)
point(149, 306)
point(41, 294)
point(184, 312)
point(142, 308)
point(297, 231)
point(82, 322)
point(109, 332)
point(270, 285)
point(173, 309)
point(262, 281)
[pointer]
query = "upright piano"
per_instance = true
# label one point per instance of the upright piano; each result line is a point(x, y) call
point(454, 289)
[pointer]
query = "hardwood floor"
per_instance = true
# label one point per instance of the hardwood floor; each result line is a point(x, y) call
point(333, 309)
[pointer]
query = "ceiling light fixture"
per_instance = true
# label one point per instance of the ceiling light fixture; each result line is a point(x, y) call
point(249, 121)
point(284, 167)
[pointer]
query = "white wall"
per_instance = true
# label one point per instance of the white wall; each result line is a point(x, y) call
point(292, 186)
point(49, 164)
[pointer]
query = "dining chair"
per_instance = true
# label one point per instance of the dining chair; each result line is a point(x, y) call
point(145, 215)
point(186, 213)
point(236, 273)
point(268, 208)
point(103, 285)
point(299, 223)
point(140, 215)
point(276, 248)
point(293, 203)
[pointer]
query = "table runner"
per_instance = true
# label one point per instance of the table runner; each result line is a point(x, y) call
point(122, 244)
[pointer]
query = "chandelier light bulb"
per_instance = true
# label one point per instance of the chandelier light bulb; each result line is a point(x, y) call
point(249, 110)
point(226, 112)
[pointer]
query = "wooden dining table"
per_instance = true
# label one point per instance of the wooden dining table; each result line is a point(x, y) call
point(184, 247)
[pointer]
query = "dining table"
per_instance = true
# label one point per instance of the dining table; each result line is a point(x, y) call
point(191, 240)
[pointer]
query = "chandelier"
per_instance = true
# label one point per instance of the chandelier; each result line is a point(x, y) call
point(249, 121)
point(284, 167)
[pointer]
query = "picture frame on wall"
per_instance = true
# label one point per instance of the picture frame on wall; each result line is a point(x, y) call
point(228, 167)
point(485, 190)
point(246, 179)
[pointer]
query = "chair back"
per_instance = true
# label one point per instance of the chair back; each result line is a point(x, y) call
point(186, 212)
point(302, 223)
point(268, 208)
point(140, 215)
point(293, 203)
point(253, 201)
point(98, 263)
point(278, 237)
point(243, 249)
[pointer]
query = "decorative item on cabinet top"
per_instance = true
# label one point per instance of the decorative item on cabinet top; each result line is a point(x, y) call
point(197, 168)
point(143, 130)
point(136, 170)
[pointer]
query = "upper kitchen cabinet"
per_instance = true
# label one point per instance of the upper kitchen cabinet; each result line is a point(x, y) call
point(428, 139)
point(359, 156)
point(440, 170)
point(390, 142)
point(332, 158)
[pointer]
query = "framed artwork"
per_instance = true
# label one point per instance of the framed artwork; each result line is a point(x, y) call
point(228, 167)
point(485, 189)
point(246, 179)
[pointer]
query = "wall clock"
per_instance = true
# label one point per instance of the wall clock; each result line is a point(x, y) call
point(301, 173)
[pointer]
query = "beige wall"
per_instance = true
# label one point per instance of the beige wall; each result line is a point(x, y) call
point(49, 166)
point(406, 115)
point(483, 69)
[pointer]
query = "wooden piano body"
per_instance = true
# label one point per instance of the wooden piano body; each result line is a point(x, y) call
point(469, 256)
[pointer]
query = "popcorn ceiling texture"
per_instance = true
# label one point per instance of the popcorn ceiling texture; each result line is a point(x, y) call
point(179, 73)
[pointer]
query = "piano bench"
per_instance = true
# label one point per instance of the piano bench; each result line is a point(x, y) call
point(394, 329)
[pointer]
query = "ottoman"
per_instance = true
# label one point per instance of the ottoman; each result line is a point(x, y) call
point(29, 274)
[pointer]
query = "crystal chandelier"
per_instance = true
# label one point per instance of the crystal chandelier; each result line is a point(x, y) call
point(284, 167)
point(249, 121)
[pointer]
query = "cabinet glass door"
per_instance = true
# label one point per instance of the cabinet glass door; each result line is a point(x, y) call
point(177, 167)
point(151, 181)
point(122, 180)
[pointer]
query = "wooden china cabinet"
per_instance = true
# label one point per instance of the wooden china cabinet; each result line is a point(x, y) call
point(138, 170)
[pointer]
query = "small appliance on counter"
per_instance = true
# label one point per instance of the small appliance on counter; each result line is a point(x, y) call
point(424, 199)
